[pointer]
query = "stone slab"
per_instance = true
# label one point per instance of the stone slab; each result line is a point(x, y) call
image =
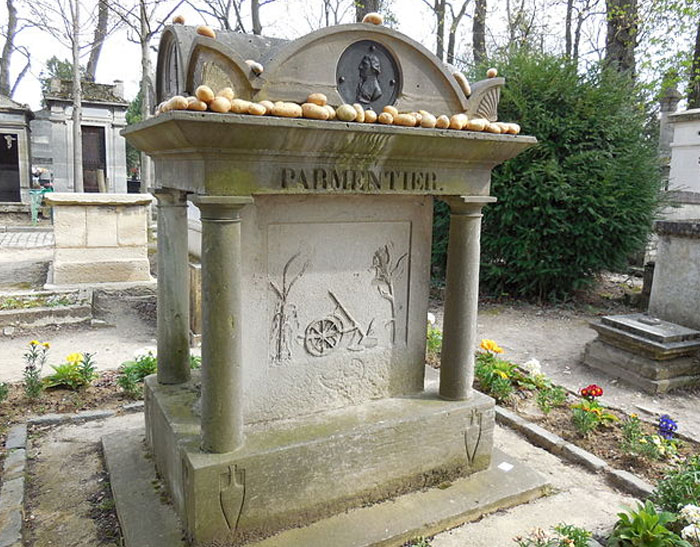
point(578, 455)
point(651, 327)
point(280, 477)
point(647, 344)
point(629, 367)
point(12, 494)
point(505, 484)
point(71, 198)
point(11, 529)
point(131, 478)
point(16, 437)
point(630, 483)
point(14, 465)
point(85, 416)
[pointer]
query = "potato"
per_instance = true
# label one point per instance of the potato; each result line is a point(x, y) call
point(240, 106)
point(198, 105)
point(513, 128)
point(317, 98)
point(269, 105)
point(256, 67)
point(178, 20)
point(418, 116)
point(491, 73)
point(463, 83)
point(346, 113)
point(458, 121)
point(391, 110)
point(331, 111)
point(257, 109)
point(314, 111)
point(226, 92)
point(429, 121)
point(220, 104)
point(178, 102)
point(442, 122)
point(360, 118)
point(385, 118)
point(370, 116)
point(374, 18)
point(405, 120)
point(204, 30)
point(204, 93)
point(493, 128)
point(476, 124)
point(287, 110)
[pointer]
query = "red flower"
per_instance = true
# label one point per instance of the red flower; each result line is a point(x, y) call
point(591, 392)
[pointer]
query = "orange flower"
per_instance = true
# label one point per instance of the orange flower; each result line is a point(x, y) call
point(490, 345)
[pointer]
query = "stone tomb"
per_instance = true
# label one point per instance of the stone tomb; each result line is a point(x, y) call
point(315, 277)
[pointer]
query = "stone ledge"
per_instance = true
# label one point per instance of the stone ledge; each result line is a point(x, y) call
point(578, 455)
point(629, 482)
point(85, 416)
point(678, 228)
point(16, 437)
point(90, 199)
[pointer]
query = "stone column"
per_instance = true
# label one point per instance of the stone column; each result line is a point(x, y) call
point(461, 296)
point(222, 367)
point(173, 288)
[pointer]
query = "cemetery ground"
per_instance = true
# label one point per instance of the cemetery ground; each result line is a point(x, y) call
point(67, 495)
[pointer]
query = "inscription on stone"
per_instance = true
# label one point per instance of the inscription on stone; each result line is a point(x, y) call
point(358, 180)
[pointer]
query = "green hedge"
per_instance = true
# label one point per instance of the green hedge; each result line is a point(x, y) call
point(579, 202)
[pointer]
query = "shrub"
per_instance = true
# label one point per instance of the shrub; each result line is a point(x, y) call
point(580, 201)
point(588, 415)
point(34, 361)
point(4, 391)
point(680, 487)
point(635, 442)
point(645, 527)
point(131, 373)
point(550, 397)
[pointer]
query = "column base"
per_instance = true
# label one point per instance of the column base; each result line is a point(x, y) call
point(293, 472)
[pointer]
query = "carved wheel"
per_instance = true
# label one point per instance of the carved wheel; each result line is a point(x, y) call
point(323, 336)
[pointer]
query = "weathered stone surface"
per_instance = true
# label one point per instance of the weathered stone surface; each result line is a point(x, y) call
point(74, 198)
point(16, 437)
point(132, 226)
point(579, 455)
point(641, 371)
point(113, 271)
point(676, 290)
point(10, 528)
point(70, 228)
point(131, 477)
point(85, 416)
point(15, 462)
point(106, 218)
point(630, 483)
point(12, 495)
point(541, 437)
point(367, 452)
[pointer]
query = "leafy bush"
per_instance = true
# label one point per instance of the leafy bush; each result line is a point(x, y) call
point(78, 371)
point(580, 201)
point(4, 391)
point(34, 361)
point(644, 527)
point(635, 442)
point(131, 373)
point(588, 415)
point(550, 397)
point(680, 487)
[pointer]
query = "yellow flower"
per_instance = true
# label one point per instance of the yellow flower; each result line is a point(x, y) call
point(501, 374)
point(74, 358)
point(633, 416)
point(490, 345)
point(34, 343)
point(46, 345)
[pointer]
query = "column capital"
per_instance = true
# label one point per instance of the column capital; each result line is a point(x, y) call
point(465, 205)
point(220, 207)
point(168, 197)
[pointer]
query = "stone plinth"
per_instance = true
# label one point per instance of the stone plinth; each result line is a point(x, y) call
point(645, 351)
point(675, 292)
point(292, 472)
point(100, 238)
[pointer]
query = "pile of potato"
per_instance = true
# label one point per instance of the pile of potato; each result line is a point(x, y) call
point(316, 107)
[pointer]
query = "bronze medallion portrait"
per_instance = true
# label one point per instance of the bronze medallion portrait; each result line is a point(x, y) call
point(368, 74)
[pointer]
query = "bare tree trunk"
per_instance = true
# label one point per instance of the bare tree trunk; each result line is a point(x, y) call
point(363, 7)
point(479, 32)
point(255, 15)
point(8, 48)
point(694, 84)
point(621, 38)
point(145, 92)
point(77, 106)
point(569, 13)
point(440, 29)
point(452, 37)
point(100, 34)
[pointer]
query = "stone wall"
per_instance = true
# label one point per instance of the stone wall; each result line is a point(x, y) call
point(100, 238)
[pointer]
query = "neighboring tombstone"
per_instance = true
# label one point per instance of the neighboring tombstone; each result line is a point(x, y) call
point(684, 174)
point(315, 249)
point(15, 161)
point(100, 238)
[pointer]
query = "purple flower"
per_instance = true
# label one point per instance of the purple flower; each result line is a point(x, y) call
point(667, 427)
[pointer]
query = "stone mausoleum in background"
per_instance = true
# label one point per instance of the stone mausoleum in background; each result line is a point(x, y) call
point(15, 154)
point(104, 149)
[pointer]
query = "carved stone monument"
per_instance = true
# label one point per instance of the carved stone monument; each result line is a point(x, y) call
point(315, 275)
